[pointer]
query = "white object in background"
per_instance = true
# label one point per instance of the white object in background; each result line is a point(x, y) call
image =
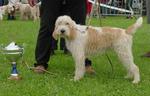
point(12, 46)
point(112, 7)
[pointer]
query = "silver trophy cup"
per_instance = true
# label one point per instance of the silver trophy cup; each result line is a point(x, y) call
point(13, 53)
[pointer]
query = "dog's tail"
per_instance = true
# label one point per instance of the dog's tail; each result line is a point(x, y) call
point(132, 29)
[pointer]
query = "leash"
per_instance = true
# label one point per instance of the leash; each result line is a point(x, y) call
point(32, 68)
point(100, 23)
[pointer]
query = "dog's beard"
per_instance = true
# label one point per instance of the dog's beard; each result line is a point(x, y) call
point(57, 34)
point(66, 32)
point(64, 35)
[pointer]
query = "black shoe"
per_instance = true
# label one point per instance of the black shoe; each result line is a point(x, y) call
point(9, 17)
point(146, 55)
point(88, 62)
point(13, 18)
point(88, 66)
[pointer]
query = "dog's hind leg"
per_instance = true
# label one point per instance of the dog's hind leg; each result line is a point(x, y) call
point(125, 55)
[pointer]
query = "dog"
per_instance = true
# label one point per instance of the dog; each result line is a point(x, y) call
point(5, 9)
point(83, 41)
point(27, 12)
point(1, 13)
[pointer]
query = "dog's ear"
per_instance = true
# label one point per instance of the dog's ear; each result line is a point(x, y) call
point(73, 33)
point(55, 36)
point(72, 27)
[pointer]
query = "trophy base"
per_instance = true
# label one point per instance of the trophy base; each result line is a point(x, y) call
point(14, 78)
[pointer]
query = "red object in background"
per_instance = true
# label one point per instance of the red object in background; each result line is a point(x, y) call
point(89, 7)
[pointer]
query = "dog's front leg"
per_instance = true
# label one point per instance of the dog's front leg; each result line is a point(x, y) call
point(79, 65)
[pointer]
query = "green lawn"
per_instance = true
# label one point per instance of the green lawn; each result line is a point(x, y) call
point(104, 83)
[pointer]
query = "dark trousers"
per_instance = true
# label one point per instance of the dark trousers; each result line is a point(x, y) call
point(1, 2)
point(50, 10)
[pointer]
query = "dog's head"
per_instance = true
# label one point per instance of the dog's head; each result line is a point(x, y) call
point(64, 27)
point(10, 8)
point(17, 6)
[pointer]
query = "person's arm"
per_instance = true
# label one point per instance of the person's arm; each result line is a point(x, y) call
point(32, 2)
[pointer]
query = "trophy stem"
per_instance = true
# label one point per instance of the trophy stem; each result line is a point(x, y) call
point(14, 71)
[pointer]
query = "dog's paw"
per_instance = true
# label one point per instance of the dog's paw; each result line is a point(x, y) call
point(135, 81)
point(77, 78)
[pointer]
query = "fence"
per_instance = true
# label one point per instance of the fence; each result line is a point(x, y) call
point(118, 7)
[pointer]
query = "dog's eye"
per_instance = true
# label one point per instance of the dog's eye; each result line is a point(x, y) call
point(67, 23)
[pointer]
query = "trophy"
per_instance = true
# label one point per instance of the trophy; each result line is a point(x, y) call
point(13, 53)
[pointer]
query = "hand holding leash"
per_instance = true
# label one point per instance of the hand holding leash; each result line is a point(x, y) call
point(32, 2)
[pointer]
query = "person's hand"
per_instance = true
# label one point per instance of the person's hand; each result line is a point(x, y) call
point(109, 3)
point(32, 2)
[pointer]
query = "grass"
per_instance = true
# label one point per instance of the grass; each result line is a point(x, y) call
point(104, 83)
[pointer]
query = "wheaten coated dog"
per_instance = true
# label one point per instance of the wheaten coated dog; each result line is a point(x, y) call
point(1, 13)
point(27, 12)
point(83, 41)
point(5, 9)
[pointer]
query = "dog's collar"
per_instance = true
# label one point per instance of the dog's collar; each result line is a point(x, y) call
point(82, 28)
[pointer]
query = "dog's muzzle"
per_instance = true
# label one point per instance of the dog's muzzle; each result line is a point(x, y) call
point(62, 31)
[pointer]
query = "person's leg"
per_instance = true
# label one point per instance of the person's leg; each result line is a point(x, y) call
point(147, 54)
point(49, 12)
point(62, 43)
point(78, 10)
point(8, 17)
point(53, 46)
point(63, 46)
point(64, 11)
point(78, 13)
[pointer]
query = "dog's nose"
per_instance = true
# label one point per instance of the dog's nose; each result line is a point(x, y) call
point(62, 31)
